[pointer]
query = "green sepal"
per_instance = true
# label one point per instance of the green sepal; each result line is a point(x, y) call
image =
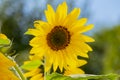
point(5, 45)
point(4, 42)
point(27, 32)
point(32, 65)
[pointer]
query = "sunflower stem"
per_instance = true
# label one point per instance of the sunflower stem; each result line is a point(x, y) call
point(17, 69)
point(19, 72)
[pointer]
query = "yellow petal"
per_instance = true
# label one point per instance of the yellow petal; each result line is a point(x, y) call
point(87, 38)
point(37, 77)
point(38, 24)
point(85, 47)
point(70, 60)
point(82, 54)
point(86, 28)
point(50, 14)
point(38, 41)
point(71, 71)
point(55, 64)
point(71, 17)
point(34, 32)
point(42, 26)
point(81, 29)
point(3, 36)
point(47, 66)
point(6, 74)
point(32, 73)
point(80, 48)
point(5, 61)
point(48, 61)
point(61, 13)
point(79, 23)
point(39, 50)
point(81, 63)
point(61, 61)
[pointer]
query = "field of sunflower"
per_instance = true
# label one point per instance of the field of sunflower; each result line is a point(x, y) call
point(58, 46)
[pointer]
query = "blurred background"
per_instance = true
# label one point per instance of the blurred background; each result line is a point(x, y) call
point(16, 16)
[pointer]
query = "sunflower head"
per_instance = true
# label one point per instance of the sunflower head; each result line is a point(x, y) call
point(60, 39)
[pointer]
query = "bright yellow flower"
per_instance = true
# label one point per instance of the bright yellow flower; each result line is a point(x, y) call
point(2, 36)
point(5, 65)
point(35, 74)
point(4, 40)
point(34, 71)
point(71, 70)
point(60, 40)
point(4, 43)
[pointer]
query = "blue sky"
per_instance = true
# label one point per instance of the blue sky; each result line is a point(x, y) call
point(103, 13)
point(106, 12)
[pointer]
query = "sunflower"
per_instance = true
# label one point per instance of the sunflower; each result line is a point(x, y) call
point(5, 72)
point(60, 39)
point(4, 40)
point(5, 64)
point(35, 71)
point(35, 74)
point(2, 36)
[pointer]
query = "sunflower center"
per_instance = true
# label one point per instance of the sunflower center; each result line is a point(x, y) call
point(58, 38)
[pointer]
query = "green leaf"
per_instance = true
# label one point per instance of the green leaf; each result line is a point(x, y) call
point(5, 45)
point(96, 77)
point(27, 32)
point(4, 42)
point(32, 65)
point(56, 76)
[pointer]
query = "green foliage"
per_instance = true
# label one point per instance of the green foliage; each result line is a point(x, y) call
point(28, 32)
point(5, 45)
point(31, 65)
point(56, 76)
point(105, 57)
point(112, 51)
point(109, 41)
point(4, 42)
